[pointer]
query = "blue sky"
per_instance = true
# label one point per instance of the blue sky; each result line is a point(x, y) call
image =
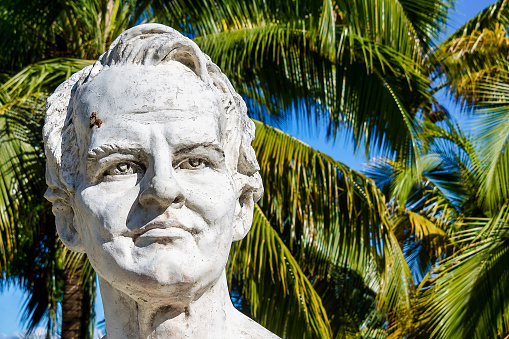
point(11, 299)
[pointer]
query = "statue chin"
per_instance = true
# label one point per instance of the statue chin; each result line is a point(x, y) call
point(152, 175)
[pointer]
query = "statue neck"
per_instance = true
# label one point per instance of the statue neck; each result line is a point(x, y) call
point(208, 316)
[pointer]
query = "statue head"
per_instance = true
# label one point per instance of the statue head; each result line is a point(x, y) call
point(150, 166)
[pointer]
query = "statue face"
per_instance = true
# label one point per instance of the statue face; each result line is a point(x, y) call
point(154, 202)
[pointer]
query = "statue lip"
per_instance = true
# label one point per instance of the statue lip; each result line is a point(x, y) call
point(169, 228)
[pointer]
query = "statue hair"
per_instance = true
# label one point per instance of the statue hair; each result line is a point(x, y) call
point(150, 44)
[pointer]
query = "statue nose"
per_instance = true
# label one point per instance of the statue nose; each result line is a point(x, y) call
point(163, 191)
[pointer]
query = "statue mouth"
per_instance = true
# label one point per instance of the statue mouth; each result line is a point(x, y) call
point(161, 231)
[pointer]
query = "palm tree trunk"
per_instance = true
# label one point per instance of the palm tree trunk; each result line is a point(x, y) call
point(72, 304)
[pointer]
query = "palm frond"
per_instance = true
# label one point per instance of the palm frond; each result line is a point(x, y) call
point(493, 131)
point(28, 241)
point(32, 255)
point(474, 303)
point(34, 30)
point(26, 38)
point(488, 18)
point(331, 218)
point(476, 51)
point(281, 296)
point(38, 79)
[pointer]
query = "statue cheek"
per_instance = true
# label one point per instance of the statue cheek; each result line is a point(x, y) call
point(105, 208)
point(115, 193)
point(215, 203)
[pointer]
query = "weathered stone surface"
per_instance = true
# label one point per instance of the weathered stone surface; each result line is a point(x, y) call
point(152, 174)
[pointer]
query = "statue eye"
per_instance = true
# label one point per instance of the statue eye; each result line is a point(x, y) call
point(192, 164)
point(125, 168)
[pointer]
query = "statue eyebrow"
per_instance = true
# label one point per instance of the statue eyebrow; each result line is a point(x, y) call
point(209, 146)
point(107, 149)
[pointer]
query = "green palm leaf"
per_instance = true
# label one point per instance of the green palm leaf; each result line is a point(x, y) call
point(493, 131)
point(38, 79)
point(281, 296)
point(474, 303)
point(25, 216)
point(331, 218)
point(475, 52)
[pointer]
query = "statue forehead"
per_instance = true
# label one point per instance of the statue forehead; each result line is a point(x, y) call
point(140, 88)
point(160, 94)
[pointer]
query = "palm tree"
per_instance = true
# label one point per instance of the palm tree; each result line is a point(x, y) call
point(476, 300)
point(323, 232)
point(456, 192)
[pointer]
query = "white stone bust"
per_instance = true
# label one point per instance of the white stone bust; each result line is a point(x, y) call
point(151, 173)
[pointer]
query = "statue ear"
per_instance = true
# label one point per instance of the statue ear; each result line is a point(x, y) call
point(64, 219)
point(250, 189)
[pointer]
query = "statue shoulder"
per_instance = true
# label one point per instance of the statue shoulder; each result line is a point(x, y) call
point(248, 328)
